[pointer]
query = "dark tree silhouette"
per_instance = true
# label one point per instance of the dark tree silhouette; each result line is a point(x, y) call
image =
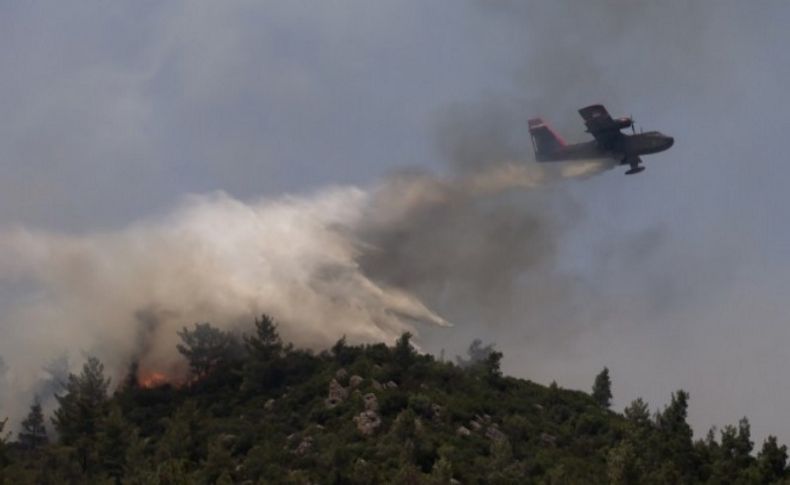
point(675, 435)
point(602, 389)
point(263, 368)
point(205, 347)
point(113, 440)
point(82, 407)
point(772, 461)
point(83, 403)
point(266, 343)
point(33, 434)
point(403, 352)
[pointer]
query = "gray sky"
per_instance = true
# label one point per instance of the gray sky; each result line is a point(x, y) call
point(113, 112)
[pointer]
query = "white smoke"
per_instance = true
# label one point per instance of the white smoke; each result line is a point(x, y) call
point(319, 263)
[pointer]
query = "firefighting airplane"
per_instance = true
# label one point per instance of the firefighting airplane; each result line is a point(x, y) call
point(609, 141)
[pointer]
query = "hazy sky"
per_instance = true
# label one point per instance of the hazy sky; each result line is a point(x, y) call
point(115, 111)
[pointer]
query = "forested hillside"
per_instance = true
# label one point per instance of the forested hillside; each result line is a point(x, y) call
point(255, 410)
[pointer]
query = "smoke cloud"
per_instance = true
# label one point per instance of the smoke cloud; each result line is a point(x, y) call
point(343, 261)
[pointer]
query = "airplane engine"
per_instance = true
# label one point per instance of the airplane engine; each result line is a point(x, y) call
point(624, 123)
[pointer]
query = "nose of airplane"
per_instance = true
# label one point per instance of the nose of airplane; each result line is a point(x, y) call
point(670, 141)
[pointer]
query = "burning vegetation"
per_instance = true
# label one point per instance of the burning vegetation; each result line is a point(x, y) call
point(260, 411)
point(151, 379)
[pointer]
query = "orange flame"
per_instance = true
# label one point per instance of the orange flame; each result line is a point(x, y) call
point(152, 379)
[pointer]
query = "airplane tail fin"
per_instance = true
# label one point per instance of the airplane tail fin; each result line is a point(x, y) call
point(544, 140)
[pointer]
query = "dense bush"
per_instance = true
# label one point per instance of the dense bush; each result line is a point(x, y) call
point(257, 411)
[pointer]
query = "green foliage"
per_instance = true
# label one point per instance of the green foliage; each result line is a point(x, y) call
point(136, 464)
point(772, 461)
point(265, 344)
point(206, 347)
point(442, 471)
point(638, 413)
point(264, 368)
point(82, 407)
point(736, 444)
point(83, 403)
point(675, 432)
point(343, 353)
point(403, 353)
point(732, 459)
point(622, 464)
point(184, 435)
point(421, 405)
point(602, 389)
point(260, 416)
point(113, 440)
point(492, 366)
point(218, 463)
point(33, 434)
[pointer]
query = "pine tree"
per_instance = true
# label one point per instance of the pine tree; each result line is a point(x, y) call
point(628, 461)
point(265, 351)
point(772, 461)
point(184, 435)
point(83, 403)
point(82, 407)
point(672, 420)
point(492, 366)
point(640, 426)
point(675, 434)
point(736, 444)
point(403, 353)
point(638, 413)
point(33, 434)
point(602, 389)
point(114, 438)
point(206, 347)
point(266, 344)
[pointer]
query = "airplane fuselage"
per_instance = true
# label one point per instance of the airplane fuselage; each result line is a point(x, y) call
point(624, 149)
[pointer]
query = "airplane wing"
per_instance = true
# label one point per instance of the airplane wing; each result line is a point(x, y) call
point(601, 125)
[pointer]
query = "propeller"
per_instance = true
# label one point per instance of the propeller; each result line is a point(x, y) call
point(633, 123)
